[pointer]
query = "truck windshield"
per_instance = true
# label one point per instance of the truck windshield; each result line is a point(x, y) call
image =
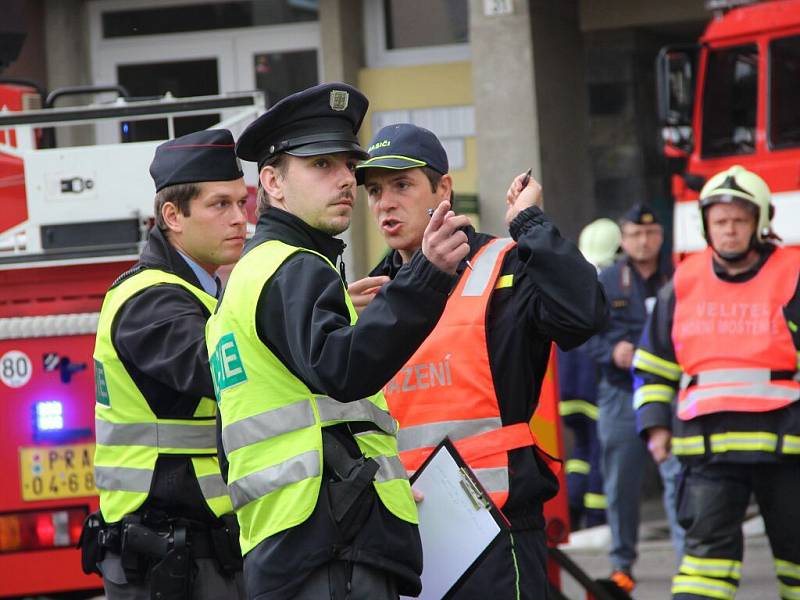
point(784, 116)
point(730, 100)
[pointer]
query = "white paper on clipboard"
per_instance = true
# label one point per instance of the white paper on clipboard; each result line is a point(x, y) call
point(454, 524)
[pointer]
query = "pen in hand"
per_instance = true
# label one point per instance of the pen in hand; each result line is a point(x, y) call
point(430, 214)
point(527, 178)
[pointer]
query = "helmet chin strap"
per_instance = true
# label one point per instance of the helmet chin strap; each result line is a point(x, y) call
point(736, 257)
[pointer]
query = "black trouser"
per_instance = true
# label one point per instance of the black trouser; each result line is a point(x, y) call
point(515, 568)
point(340, 580)
point(712, 501)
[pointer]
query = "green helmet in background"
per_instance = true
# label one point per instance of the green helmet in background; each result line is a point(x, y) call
point(737, 184)
point(599, 242)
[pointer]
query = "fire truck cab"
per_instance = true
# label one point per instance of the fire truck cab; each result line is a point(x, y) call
point(732, 99)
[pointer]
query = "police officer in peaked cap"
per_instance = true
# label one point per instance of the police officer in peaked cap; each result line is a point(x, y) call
point(162, 496)
point(322, 498)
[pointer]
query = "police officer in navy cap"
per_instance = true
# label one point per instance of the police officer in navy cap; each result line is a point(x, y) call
point(322, 498)
point(156, 465)
point(631, 285)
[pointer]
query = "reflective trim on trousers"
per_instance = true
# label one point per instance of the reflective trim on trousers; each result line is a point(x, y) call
point(123, 479)
point(744, 441)
point(595, 501)
point(791, 444)
point(268, 424)
point(430, 434)
point(358, 410)
point(789, 592)
point(482, 268)
point(201, 436)
point(265, 481)
point(688, 446)
point(711, 567)
point(784, 568)
point(703, 586)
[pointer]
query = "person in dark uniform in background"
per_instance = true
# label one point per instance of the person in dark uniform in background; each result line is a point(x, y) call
point(518, 295)
point(322, 499)
point(155, 465)
point(577, 380)
point(631, 285)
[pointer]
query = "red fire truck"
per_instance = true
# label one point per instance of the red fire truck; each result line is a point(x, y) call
point(72, 219)
point(733, 99)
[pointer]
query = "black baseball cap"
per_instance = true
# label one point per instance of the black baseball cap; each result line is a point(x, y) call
point(404, 146)
point(319, 120)
point(201, 156)
point(639, 214)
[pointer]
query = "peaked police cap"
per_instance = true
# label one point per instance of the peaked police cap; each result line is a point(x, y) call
point(201, 156)
point(319, 120)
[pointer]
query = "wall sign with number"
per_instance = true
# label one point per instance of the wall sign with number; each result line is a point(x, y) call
point(493, 8)
point(15, 368)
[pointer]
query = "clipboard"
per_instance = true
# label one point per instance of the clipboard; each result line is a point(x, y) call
point(458, 525)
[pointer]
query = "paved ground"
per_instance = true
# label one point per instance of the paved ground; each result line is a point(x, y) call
point(656, 564)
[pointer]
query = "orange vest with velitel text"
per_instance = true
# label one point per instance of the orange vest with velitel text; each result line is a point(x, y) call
point(732, 340)
point(446, 387)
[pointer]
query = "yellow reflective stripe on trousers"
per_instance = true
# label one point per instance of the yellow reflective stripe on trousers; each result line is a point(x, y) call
point(653, 392)
point(711, 567)
point(688, 446)
point(789, 592)
point(651, 363)
point(784, 568)
point(331, 410)
point(703, 586)
point(430, 434)
point(595, 501)
point(268, 424)
point(264, 481)
point(576, 465)
point(791, 444)
point(577, 407)
point(199, 435)
point(744, 441)
point(482, 267)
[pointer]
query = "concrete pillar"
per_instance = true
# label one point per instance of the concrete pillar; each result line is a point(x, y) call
point(341, 39)
point(67, 58)
point(530, 108)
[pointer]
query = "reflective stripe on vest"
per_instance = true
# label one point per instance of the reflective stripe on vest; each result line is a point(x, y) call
point(130, 437)
point(731, 337)
point(446, 388)
point(175, 437)
point(272, 422)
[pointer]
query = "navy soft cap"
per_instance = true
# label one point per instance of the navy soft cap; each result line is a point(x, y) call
point(201, 156)
point(639, 214)
point(404, 146)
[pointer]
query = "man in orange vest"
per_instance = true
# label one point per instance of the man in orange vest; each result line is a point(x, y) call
point(722, 343)
point(477, 376)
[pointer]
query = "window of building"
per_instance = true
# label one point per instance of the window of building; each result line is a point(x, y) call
point(784, 89)
point(279, 74)
point(206, 16)
point(415, 32)
point(730, 101)
point(419, 23)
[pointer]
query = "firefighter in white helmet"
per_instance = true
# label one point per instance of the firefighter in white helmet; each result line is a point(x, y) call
point(722, 347)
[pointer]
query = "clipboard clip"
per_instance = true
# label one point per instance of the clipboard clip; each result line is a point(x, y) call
point(472, 491)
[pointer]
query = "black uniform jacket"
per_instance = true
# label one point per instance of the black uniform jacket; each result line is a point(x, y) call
point(555, 296)
point(159, 334)
point(303, 319)
point(657, 340)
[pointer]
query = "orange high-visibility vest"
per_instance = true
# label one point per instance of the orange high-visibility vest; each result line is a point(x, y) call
point(446, 387)
point(732, 340)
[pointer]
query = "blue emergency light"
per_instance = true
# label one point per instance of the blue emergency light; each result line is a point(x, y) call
point(49, 416)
